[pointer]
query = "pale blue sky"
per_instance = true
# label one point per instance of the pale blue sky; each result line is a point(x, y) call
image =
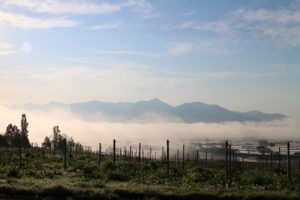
point(242, 55)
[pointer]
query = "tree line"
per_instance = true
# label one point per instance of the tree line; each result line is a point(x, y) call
point(15, 137)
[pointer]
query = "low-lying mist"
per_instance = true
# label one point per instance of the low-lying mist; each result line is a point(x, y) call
point(91, 133)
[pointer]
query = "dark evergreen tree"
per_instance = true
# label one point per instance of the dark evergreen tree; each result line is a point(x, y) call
point(24, 132)
point(47, 143)
point(12, 135)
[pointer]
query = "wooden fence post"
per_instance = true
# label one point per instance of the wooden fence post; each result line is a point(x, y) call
point(206, 161)
point(271, 159)
point(183, 159)
point(230, 152)
point(288, 162)
point(130, 152)
point(99, 155)
point(168, 154)
point(197, 157)
point(233, 158)
point(20, 152)
point(114, 152)
point(279, 158)
point(125, 152)
point(162, 154)
point(140, 147)
point(226, 159)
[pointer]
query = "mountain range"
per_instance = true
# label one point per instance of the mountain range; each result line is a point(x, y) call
point(154, 110)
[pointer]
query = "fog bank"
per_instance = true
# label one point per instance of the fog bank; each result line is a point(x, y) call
point(91, 133)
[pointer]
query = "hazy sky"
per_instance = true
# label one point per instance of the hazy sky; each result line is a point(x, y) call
point(242, 55)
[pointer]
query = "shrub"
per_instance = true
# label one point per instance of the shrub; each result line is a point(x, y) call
point(14, 173)
point(117, 176)
point(90, 171)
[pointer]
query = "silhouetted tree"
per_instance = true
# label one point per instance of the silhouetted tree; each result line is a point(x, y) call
point(12, 135)
point(47, 143)
point(24, 131)
point(55, 139)
point(57, 142)
point(3, 142)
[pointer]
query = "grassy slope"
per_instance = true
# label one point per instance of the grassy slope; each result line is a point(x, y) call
point(80, 188)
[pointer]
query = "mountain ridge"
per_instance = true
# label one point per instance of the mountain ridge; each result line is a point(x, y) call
point(153, 109)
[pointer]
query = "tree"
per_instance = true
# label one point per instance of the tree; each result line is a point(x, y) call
point(47, 143)
point(24, 131)
point(3, 142)
point(55, 139)
point(12, 135)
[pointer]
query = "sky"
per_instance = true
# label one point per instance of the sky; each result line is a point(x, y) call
point(240, 54)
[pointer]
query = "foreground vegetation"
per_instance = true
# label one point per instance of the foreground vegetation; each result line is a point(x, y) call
point(42, 175)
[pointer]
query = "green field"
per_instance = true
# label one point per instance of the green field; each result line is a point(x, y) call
point(42, 175)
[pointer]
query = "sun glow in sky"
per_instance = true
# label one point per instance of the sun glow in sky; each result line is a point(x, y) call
point(242, 55)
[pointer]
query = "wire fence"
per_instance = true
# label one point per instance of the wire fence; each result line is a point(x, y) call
point(206, 153)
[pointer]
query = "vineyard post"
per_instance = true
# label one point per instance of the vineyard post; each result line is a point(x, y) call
point(150, 153)
point(271, 160)
point(226, 159)
point(20, 152)
point(65, 153)
point(125, 152)
point(288, 162)
point(206, 161)
point(114, 152)
point(99, 155)
point(177, 156)
point(279, 158)
point(130, 152)
point(162, 154)
point(168, 154)
point(230, 152)
point(197, 157)
point(183, 159)
point(233, 158)
point(140, 146)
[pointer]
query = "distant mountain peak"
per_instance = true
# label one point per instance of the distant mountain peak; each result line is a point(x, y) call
point(153, 109)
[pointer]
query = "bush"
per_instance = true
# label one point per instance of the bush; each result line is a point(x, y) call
point(90, 171)
point(117, 176)
point(14, 173)
point(257, 177)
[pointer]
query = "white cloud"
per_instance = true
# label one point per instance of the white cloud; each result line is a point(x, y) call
point(220, 26)
point(64, 7)
point(144, 7)
point(224, 74)
point(6, 49)
point(27, 22)
point(282, 25)
point(83, 7)
point(108, 26)
point(129, 53)
point(200, 46)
